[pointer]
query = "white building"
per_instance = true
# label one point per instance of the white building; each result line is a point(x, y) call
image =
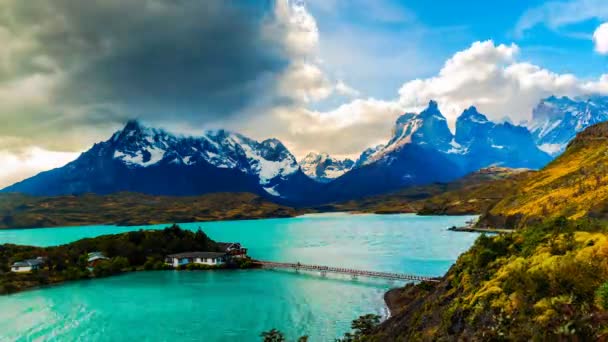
point(27, 265)
point(201, 258)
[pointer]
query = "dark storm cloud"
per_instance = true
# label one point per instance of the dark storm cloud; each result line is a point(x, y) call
point(109, 60)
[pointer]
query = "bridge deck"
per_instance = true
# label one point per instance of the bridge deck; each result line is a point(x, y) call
point(349, 271)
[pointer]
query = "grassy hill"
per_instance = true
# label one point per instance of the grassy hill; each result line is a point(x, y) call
point(546, 281)
point(574, 185)
point(22, 211)
point(472, 194)
point(541, 283)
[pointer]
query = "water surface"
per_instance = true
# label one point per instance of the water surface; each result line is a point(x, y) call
point(238, 305)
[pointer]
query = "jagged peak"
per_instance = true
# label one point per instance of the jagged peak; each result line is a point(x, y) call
point(133, 124)
point(432, 110)
point(472, 114)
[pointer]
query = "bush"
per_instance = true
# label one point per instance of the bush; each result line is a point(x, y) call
point(602, 295)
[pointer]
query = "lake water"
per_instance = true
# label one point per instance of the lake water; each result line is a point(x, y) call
point(238, 305)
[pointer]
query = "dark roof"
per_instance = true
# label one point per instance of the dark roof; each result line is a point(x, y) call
point(196, 255)
point(29, 262)
point(225, 245)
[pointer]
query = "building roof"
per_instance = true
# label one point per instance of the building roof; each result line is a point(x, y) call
point(29, 262)
point(210, 255)
point(228, 245)
point(96, 256)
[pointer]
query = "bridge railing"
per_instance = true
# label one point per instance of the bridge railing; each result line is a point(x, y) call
point(342, 270)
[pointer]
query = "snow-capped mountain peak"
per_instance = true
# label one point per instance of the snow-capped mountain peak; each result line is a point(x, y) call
point(556, 120)
point(324, 168)
point(139, 146)
point(471, 114)
point(428, 128)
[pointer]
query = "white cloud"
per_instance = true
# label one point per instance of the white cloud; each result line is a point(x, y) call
point(305, 82)
point(600, 38)
point(296, 27)
point(345, 130)
point(346, 90)
point(557, 14)
point(15, 167)
point(489, 76)
point(486, 75)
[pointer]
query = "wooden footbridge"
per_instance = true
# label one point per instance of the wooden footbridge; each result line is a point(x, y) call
point(349, 271)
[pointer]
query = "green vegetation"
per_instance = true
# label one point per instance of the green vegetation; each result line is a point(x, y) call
point(472, 194)
point(132, 251)
point(362, 327)
point(574, 186)
point(22, 211)
point(544, 282)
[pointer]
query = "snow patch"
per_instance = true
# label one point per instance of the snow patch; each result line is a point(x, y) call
point(156, 155)
point(272, 191)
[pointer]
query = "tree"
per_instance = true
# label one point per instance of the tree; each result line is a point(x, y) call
point(272, 336)
point(365, 325)
point(362, 327)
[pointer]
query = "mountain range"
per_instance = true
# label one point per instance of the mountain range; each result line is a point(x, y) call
point(152, 161)
point(421, 150)
point(324, 168)
point(555, 121)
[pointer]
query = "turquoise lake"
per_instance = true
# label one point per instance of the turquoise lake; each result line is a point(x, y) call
point(238, 305)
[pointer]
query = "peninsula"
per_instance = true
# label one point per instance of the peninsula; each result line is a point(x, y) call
point(25, 267)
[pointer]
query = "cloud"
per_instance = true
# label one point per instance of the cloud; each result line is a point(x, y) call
point(557, 14)
point(489, 76)
point(346, 90)
point(600, 38)
point(97, 63)
point(73, 72)
point(344, 131)
point(485, 74)
point(15, 167)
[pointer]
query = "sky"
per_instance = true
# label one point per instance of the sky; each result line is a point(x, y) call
point(320, 75)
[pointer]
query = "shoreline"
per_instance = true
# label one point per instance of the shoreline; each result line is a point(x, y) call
point(254, 265)
point(390, 300)
point(468, 229)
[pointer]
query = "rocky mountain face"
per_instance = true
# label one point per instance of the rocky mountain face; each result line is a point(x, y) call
point(482, 143)
point(152, 161)
point(423, 150)
point(556, 120)
point(324, 168)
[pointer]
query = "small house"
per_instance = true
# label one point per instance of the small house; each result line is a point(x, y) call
point(201, 258)
point(95, 258)
point(233, 249)
point(28, 265)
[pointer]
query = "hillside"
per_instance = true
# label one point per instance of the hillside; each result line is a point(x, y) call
point(542, 283)
point(23, 211)
point(471, 194)
point(573, 186)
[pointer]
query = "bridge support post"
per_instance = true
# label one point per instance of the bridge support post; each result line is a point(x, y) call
point(323, 273)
